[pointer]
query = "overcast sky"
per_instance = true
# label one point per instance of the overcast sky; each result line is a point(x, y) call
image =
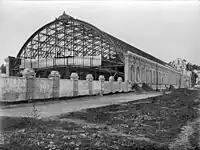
point(164, 29)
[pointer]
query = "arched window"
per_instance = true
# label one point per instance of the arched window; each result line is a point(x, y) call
point(159, 78)
point(163, 78)
point(133, 73)
point(143, 75)
point(138, 74)
point(150, 76)
point(154, 77)
point(147, 75)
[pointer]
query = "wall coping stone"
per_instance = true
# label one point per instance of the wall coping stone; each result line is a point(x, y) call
point(74, 76)
point(101, 78)
point(89, 77)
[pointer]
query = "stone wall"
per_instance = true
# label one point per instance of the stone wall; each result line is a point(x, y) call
point(66, 88)
point(20, 88)
point(43, 88)
point(13, 88)
point(74, 87)
point(28, 87)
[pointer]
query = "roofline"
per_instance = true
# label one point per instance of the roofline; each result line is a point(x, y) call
point(77, 20)
point(109, 37)
point(132, 47)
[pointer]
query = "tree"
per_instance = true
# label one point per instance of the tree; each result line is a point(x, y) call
point(193, 78)
point(189, 67)
point(3, 68)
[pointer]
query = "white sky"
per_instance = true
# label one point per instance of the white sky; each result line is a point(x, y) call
point(164, 29)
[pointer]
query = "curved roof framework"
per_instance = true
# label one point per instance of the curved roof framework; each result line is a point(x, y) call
point(66, 36)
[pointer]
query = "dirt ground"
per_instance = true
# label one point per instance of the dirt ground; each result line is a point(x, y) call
point(54, 108)
point(164, 122)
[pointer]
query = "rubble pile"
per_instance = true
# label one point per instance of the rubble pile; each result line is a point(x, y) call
point(137, 88)
point(146, 87)
point(171, 88)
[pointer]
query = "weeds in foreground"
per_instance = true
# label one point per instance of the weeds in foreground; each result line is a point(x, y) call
point(35, 112)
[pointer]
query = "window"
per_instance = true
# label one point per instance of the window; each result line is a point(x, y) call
point(154, 77)
point(133, 73)
point(138, 74)
point(150, 76)
point(159, 78)
point(147, 75)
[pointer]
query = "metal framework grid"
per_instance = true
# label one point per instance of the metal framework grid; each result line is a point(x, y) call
point(68, 37)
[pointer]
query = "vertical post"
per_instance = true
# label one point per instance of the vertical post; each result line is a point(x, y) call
point(133, 73)
point(89, 78)
point(55, 76)
point(126, 67)
point(119, 80)
point(46, 47)
point(145, 76)
point(140, 73)
point(29, 75)
point(72, 28)
point(101, 80)
point(83, 46)
point(111, 80)
point(74, 77)
point(64, 47)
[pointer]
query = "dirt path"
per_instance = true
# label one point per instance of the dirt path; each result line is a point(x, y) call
point(59, 107)
point(182, 142)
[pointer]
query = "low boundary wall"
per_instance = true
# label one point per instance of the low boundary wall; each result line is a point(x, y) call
point(14, 89)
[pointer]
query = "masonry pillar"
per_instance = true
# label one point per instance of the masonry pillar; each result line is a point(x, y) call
point(119, 80)
point(101, 80)
point(140, 74)
point(89, 78)
point(126, 67)
point(134, 78)
point(55, 76)
point(111, 80)
point(74, 77)
point(29, 75)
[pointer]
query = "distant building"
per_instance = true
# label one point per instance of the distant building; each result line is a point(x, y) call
point(181, 65)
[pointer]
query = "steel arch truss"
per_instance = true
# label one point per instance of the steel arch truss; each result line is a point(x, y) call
point(69, 37)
